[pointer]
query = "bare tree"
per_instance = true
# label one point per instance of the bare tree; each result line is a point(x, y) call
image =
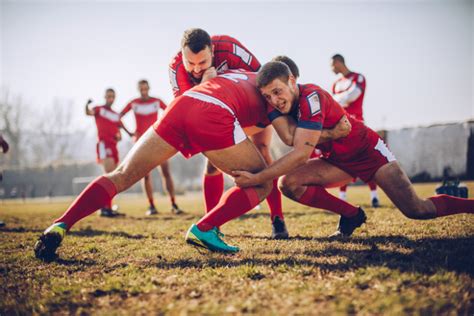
point(12, 127)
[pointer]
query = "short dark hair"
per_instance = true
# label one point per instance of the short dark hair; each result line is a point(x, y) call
point(271, 71)
point(110, 90)
point(196, 39)
point(338, 57)
point(143, 81)
point(290, 63)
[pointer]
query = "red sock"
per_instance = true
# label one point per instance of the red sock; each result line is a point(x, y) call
point(317, 196)
point(213, 189)
point(372, 185)
point(234, 202)
point(450, 205)
point(96, 195)
point(274, 201)
point(343, 188)
point(109, 204)
point(152, 203)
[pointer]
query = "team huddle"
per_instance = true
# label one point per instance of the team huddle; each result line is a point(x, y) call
point(226, 105)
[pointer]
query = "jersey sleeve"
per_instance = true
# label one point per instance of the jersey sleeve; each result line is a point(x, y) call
point(241, 57)
point(126, 109)
point(311, 116)
point(96, 110)
point(179, 78)
point(272, 113)
point(163, 105)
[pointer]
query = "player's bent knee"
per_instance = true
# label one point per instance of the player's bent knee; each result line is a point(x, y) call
point(287, 185)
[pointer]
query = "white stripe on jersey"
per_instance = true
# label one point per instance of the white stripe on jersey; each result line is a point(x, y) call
point(145, 109)
point(109, 115)
point(243, 54)
point(173, 81)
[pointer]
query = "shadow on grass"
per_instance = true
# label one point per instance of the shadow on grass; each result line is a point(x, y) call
point(94, 232)
point(425, 256)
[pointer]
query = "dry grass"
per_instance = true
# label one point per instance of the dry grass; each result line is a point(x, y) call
point(140, 265)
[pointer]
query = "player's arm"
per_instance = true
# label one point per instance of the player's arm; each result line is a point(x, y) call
point(4, 144)
point(126, 109)
point(125, 129)
point(352, 93)
point(342, 129)
point(285, 126)
point(179, 80)
point(304, 142)
point(87, 109)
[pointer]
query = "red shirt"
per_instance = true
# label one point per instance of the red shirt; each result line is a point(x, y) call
point(229, 53)
point(316, 109)
point(344, 85)
point(235, 91)
point(146, 112)
point(108, 123)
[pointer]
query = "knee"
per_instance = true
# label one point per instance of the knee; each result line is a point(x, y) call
point(287, 185)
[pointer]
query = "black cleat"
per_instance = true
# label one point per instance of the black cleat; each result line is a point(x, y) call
point(347, 225)
point(49, 241)
point(176, 210)
point(2, 223)
point(279, 230)
point(107, 212)
point(375, 202)
point(151, 211)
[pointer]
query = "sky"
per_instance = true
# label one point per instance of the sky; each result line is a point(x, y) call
point(417, 56)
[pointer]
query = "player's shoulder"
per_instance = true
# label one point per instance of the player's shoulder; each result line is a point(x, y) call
point(224, 42)
point(311, 97)
point(176, 61)
point(358, 77)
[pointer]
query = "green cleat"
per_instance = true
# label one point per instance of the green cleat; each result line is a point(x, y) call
point(49, 241)
point(210, 240)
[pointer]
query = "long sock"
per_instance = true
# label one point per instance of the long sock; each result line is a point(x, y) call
point(450, 205)
point(109, 204)
point(234, 202)
point(151, 202)
point(372, 185)
point(213, 189)
point(172, 200)
point(274, 201)
point(96, 195)
point(317, 196)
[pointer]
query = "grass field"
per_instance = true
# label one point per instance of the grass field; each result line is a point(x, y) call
point(140, 265)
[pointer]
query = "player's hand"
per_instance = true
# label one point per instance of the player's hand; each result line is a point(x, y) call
point(342, 128)
point(89, 101)
point(4, 145)
point(245, 179)
point(118, 137)
point(210, 73)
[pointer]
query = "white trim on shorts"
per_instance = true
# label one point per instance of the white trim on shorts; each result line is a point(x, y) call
point(239, 134)
point(102, 150)
point(382, 148)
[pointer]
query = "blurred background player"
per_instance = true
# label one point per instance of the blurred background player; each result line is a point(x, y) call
point(5, 147)
point(145, 108)
point(349, 90)
point(108, 133)
point(200, 59)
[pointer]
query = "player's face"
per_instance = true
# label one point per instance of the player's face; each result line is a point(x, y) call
point(109, 98)
point(281, 95)
point(196, 64)
point(335, 66)
point(143, 88)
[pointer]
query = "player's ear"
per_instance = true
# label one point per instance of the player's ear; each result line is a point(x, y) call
point(292, 81)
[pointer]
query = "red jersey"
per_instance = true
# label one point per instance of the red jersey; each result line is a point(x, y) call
point(235, 91)
point(316, 109)
point(229, 53)
point(146, 112)
point(108, 123)
point(349, 91)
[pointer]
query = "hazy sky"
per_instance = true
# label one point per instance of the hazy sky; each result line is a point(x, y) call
point(417, 56)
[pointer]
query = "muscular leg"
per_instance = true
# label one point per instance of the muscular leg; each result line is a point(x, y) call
point(262, 141)
point(307, 185)
point(395, 183)
point(168, 181)
point(108, 164)
point(150, 151)
point(236, 201)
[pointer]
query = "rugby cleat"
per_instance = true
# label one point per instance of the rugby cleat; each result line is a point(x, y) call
point(49, 241)
point(176, 210)
point(2, 223)
point(375, 202)
point(107, 212)
point(151, 211)
point(210, 240)
point(279, 230)
point(347, 225)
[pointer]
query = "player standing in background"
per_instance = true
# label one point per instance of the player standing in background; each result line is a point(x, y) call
point(200, 59)
point(349, 90)
point(146, 108)
point(108, 133)
point(5, 147)
point(299, 112)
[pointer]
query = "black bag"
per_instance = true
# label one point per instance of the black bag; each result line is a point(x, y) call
point(452, 187)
